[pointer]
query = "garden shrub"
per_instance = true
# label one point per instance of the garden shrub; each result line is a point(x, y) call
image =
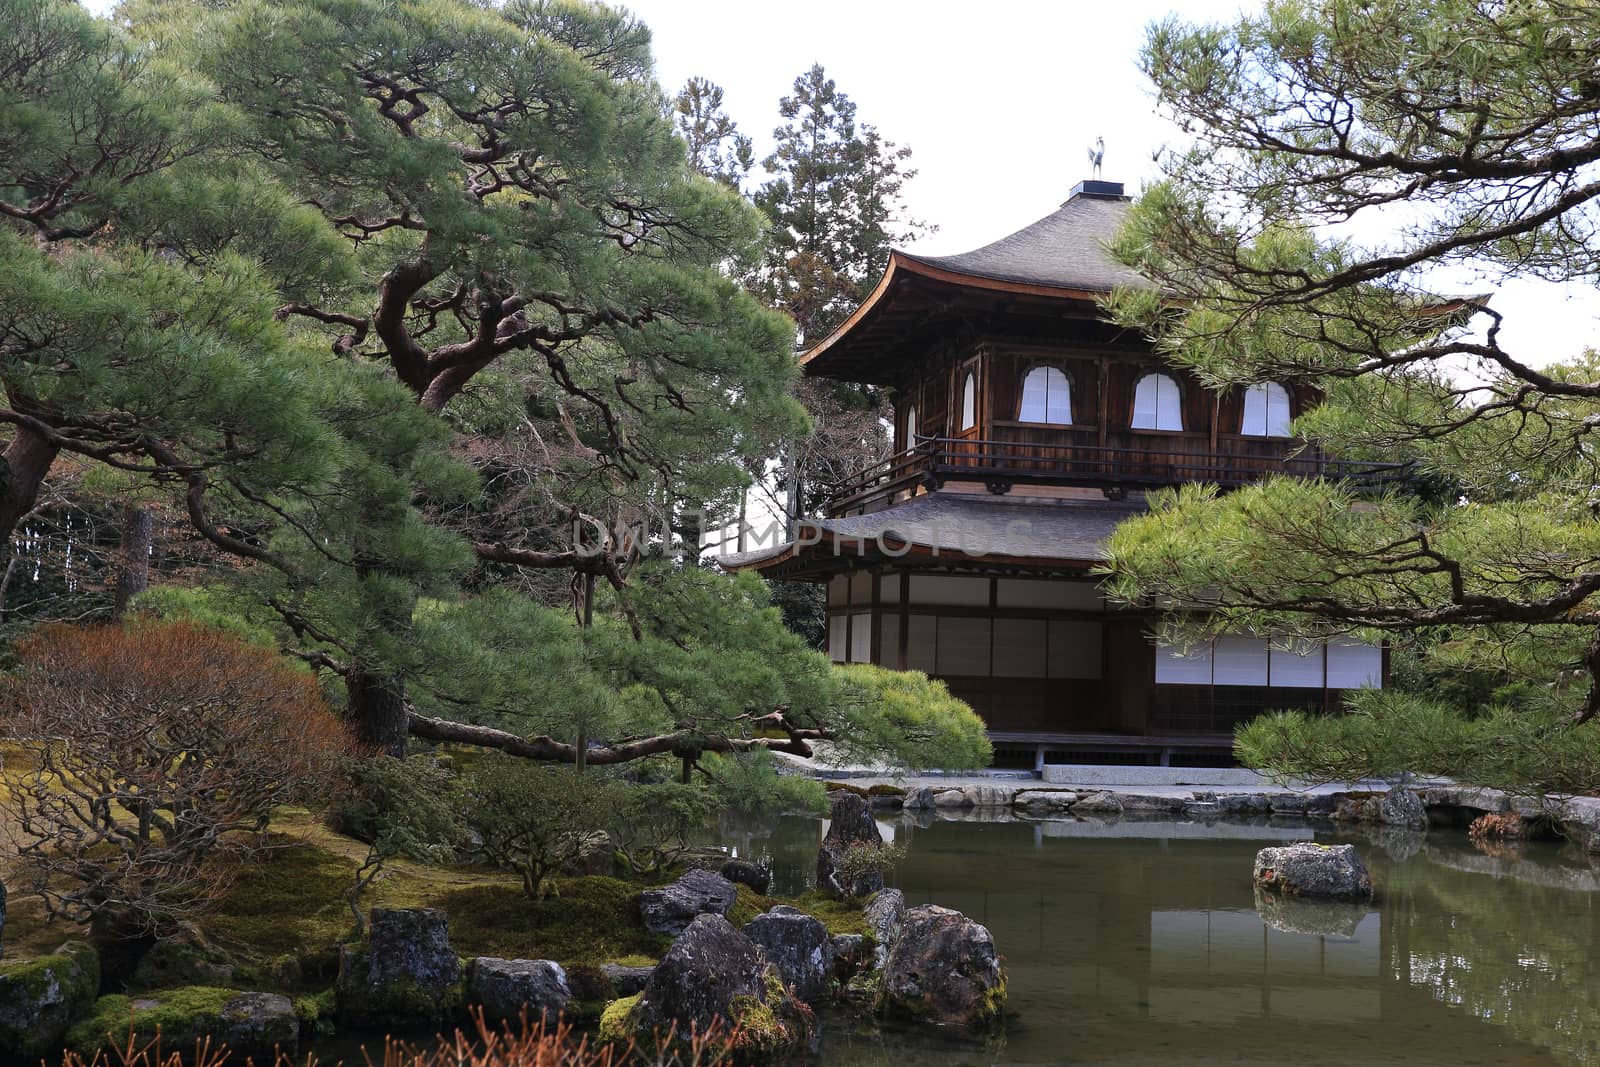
point(153, 755)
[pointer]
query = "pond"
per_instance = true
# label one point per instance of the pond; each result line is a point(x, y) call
point(1139, 942)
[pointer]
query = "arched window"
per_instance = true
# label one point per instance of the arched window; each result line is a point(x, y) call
point(969, 403)
point(1046, 397)
point(1266, 411)
point(1157, 404)
point(911, 427)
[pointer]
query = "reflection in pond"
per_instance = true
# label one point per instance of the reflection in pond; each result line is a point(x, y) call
point(1141, 942)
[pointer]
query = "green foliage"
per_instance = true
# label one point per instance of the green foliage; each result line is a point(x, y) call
point(1304, 237)
point(400, 808)
point(1523, 742)
point(529, 819)
point(913, 720)
point(749, 783)
point(651, 825)
point(856, 865)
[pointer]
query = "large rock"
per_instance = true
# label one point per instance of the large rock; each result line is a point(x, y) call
point(406, 973)
point(247, 1024)
point(713, 972)
point(1102, 804)
point(749, 874)
point(41, 997)
point(504, 989)
point(797, 945)
point(1044, 801)
point(183, 956)
point(884, 915)
point(626, 980)
point(1328, 872)
point(670, 909)
point(850, 826)
point(943, 970)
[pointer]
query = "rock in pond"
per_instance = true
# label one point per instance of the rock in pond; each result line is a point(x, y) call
point(41, 997)
point(249, 1024)
point(749, 874)
point(504, 989)
point(712, 972)
point(850, 826)
point(670, 909)
point(797, 945)
point(406, 973)
point(943, 970)
point(1098, 804)
point(1306, 869)
point(850, 955)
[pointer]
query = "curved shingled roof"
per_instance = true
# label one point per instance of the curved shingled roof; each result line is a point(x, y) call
point(1065, 249)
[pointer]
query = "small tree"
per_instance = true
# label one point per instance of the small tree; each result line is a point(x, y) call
point(652, 825)
point(529, 819)
point(400, 808)
point(151, 757)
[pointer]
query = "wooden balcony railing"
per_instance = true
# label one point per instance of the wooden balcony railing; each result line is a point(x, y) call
point(1163, 461)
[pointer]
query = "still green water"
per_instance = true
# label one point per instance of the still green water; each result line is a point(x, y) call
point(1140, 943)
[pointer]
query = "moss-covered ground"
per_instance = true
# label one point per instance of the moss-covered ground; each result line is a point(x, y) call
point(285, 916)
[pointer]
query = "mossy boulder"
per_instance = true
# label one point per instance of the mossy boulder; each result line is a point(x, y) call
point(714, 972)
point(249, 1024)
point(405, 975)
point(41, 997)
point(943, 969)
point(181, 957)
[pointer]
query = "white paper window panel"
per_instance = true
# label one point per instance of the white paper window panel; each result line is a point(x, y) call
point(1021, 648)
point(1074, 649)
point(1157, 403)
point(860, 588)
point(1046, 397)
point(836, 632)
point(1040, 593)
point(889, 588)
point(969, 402)
point(1189, 666)
point(838, 591)
point(861, 637)
point(922, 643)
point(1239, 661)
point(1266, 410)
point(963, 646)
point(1354, 664)
point(950, 589)
point(1296, 664)
point(889, 639)
point(911, 427)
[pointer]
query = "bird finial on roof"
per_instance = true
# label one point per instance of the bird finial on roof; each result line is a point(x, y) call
point(1097, 155)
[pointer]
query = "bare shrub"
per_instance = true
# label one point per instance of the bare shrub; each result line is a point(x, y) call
point(1505, 826)
point(149, 759)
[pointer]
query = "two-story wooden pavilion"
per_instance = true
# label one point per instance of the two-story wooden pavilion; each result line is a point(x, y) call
point(1026, 428)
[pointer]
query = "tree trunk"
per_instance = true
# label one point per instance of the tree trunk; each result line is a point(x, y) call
point(134, 576)
point(26, 460)
point(377, 711)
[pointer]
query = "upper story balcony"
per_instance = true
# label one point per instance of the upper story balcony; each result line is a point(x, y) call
point(1130, 459)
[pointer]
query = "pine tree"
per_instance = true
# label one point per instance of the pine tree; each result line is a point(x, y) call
point(716, 147)
point(1461, 135)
